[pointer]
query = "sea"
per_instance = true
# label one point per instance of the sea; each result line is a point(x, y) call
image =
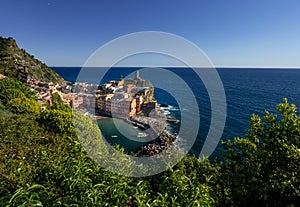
point(247, 90)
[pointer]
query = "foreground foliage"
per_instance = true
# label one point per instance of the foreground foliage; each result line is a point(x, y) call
point(42, 163)
point(263, 169)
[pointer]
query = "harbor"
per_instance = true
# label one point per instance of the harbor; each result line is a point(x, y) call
point(134, 119)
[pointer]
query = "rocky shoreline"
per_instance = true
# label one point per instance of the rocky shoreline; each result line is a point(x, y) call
point(155, 127)
point(161, 143)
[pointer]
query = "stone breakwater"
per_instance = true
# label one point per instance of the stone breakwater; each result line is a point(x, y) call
point(155, 127)
point(161, 143)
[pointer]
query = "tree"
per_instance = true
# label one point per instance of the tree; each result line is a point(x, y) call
point(262, 169)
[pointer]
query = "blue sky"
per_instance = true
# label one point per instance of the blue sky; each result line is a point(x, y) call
point(248, 33)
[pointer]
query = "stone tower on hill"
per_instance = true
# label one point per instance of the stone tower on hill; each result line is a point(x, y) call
point(137, 75)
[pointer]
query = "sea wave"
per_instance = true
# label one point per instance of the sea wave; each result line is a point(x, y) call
point(180, 143)
point(170, 108)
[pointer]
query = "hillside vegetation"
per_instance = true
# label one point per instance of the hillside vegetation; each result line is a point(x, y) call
point(17, 63)
point(42, 163)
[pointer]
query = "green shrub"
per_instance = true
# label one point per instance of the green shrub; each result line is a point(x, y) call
point(57, 121)
point(11, 93)
point(9, 83)
point(24, 106)
point(18, 98)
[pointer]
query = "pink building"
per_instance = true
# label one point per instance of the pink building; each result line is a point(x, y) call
point(129, 88)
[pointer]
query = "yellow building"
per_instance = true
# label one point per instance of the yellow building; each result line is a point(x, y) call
point(123, 108)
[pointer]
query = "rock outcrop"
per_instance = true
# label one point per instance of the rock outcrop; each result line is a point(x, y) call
point(163, 142)
point(17, 63)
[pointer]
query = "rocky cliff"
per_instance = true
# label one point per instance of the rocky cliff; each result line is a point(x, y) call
point(17, 63)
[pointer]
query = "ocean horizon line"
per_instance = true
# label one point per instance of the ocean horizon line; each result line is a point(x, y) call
point(176, 67)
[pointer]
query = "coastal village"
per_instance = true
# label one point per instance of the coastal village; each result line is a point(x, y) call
point(119, 99)
point(131, 100)
point(125, 98)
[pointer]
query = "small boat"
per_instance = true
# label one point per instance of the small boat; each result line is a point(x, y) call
point(142, 134)
point(113, 136)
point(135, 127)
point(167, 112)
point(172, 120)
